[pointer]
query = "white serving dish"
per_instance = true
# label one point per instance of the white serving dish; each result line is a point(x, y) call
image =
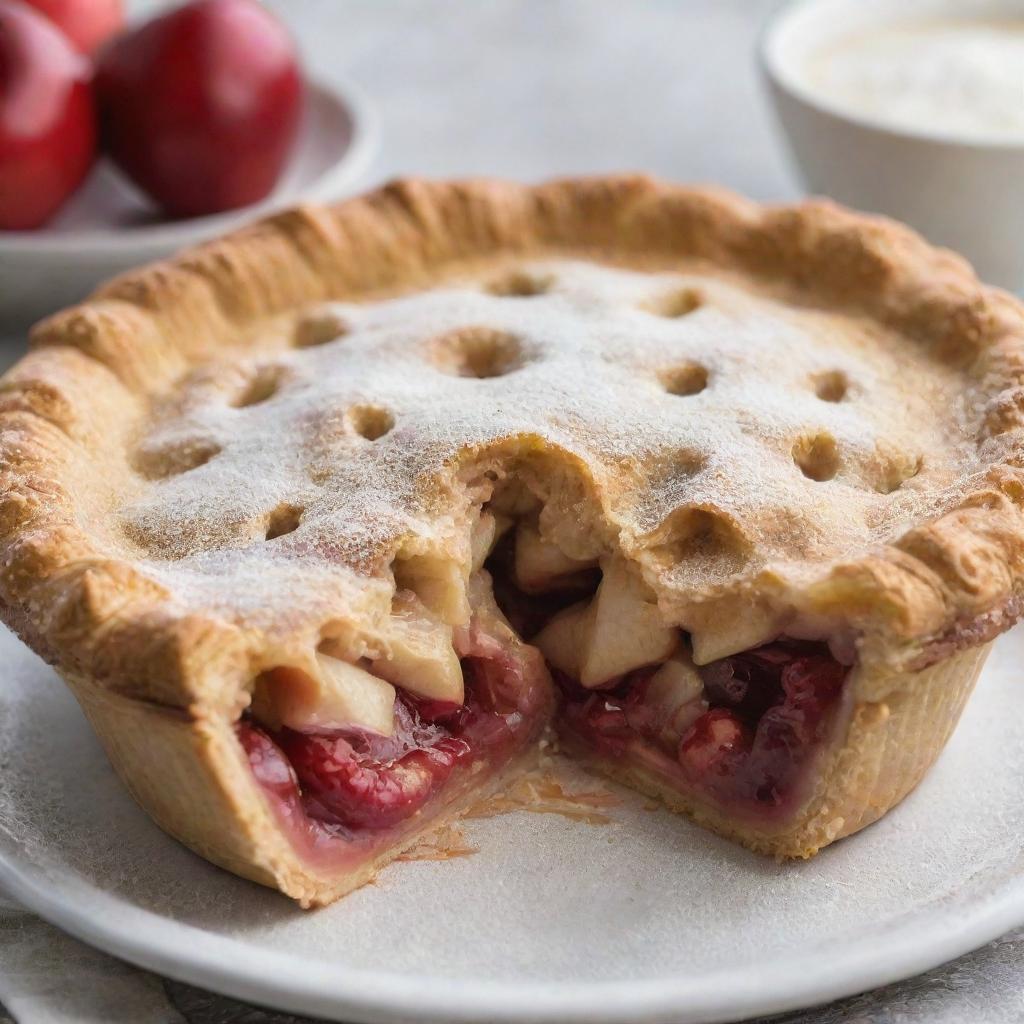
point(645, 919)
point(109, 226)
point(966, 195)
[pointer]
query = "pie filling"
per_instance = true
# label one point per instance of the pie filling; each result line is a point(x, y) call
point(742, 732)
point(347, 791)
point(354, 756)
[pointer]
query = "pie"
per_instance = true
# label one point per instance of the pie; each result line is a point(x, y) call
point(328, 523)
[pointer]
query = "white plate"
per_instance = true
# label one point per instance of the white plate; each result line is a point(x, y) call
point(646, 919)
point(109, 226)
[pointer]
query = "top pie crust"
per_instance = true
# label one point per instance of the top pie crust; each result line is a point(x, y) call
point(794, 412)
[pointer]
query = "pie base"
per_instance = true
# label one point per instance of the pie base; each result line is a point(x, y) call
point(193, 778)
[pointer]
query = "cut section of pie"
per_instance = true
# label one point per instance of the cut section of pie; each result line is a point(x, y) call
point(327, 523)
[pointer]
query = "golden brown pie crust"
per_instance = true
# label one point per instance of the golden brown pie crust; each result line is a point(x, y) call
point(129, 620)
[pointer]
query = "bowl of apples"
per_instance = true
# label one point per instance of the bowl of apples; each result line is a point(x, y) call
point(121, 144)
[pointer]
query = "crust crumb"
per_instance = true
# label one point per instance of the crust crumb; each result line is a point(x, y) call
point(444, 843)
point(541, 792)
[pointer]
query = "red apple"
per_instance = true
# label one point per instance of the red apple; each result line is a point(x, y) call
point(47, 120)
point(87, 23)
point(200, 107)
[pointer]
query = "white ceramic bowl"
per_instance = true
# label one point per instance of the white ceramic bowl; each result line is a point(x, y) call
point(967, 195)
point(109, 226)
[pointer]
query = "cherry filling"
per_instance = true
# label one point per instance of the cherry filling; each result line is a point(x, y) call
point(349, 780)
point(354, 785)
point(748, 739)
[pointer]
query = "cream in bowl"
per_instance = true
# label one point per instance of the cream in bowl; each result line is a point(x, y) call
point(912, 109)
point(962, 77)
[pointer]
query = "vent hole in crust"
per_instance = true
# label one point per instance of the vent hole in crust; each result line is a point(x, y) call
point(669, 468)
point(675, 304)
point(831, 386)
point(521, 284)
point(263, 386)
point(705, 540)
point(686, 379)
point(479, 352)
point(896, 472)
point(166, 462)
point(319, 328)
point(283, 520)
point(817, 457)
point(370, 421)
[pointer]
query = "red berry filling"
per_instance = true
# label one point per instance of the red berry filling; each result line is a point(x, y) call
point(768, 712)
point(345, 783)
point(350, 782)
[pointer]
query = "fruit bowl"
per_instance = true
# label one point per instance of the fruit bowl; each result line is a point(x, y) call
point(110, 226)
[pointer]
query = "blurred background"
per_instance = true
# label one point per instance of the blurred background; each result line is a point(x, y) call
point(926, 127)
point(457, 88)
point(530, 90)
point(921, 119)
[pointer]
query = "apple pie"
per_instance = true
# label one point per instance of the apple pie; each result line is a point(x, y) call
point(326, 524)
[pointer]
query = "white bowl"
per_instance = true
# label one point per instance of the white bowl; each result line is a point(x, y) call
point(964, 194)
point(109, 226)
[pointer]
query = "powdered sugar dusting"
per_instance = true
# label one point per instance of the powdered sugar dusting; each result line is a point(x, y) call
point(585, 380)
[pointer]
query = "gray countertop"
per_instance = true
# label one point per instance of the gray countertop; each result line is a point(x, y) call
point(525, 90)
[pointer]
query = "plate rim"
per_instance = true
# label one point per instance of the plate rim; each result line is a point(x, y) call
point(294, 984)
